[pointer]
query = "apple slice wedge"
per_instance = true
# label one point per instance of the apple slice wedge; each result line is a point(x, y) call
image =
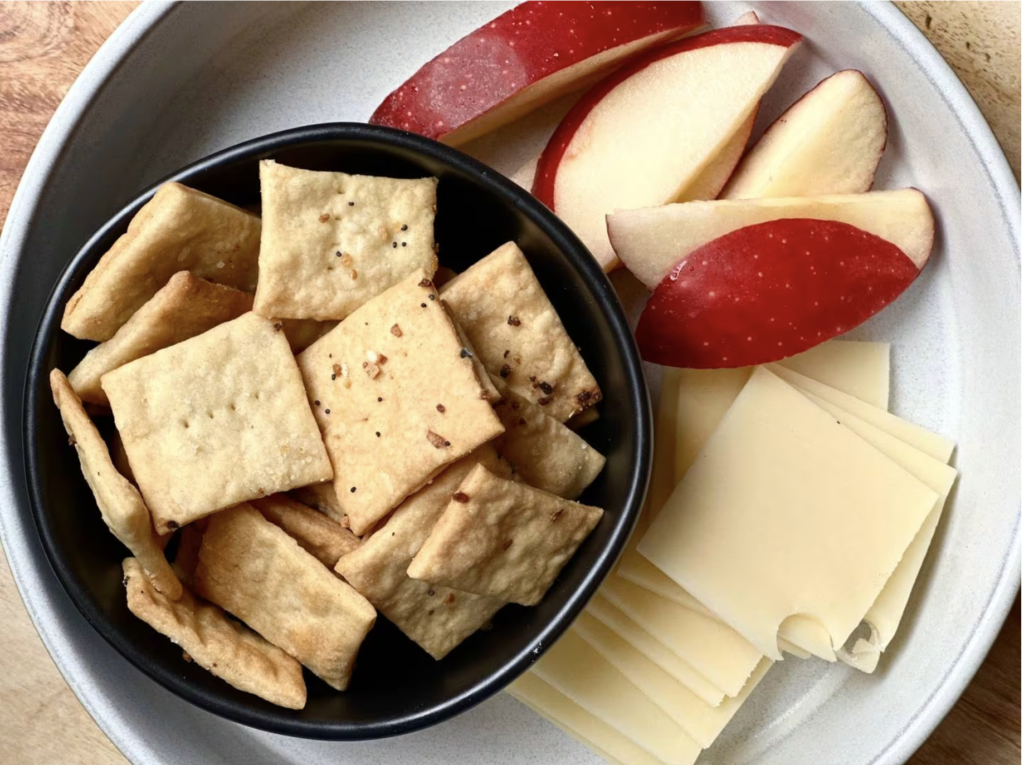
point(644, 134)
point(828, 142)
point(707, 185)
point(526, 58)
point(712, 179)
point(768, 291)
point(651, 241)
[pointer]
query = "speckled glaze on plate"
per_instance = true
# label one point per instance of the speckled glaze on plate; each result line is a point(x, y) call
point(177, 82)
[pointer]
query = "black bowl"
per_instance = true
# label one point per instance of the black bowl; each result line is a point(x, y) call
point(397, 687)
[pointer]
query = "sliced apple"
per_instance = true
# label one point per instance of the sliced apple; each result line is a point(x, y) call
point(707, 185)
point(525, 58)
point(828, 142)
point(651, 241)
point(768, 291)
point(712, 179)
point(644, 134)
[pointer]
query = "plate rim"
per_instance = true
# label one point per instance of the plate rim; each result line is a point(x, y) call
point(146, 19)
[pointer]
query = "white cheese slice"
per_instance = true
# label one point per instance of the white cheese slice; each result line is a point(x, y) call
point(566, 714)
point(855, 367)
point(939, 447)
point(711, 647)
point(784, 508)
point(603, 611)
point(885, 614)
point(575, 669)
point(860, 369)
point(701, 721)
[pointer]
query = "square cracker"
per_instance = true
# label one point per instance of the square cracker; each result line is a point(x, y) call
point(317, 534)
point(229, 650)
point(253, 569)
point(544, 453)
point(123, 510)
point(179, 229)
point(437, 618)
point(184, 307)
point(216, 420)
point(397, 397)
point(518, 335)
point(332, 241)
point(503, 539)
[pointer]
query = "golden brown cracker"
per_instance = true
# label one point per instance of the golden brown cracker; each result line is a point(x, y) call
point(503, 539)
point(544, 453)
point(518, 335)
point(123, 510)
point(397, 398)
point(229, 650)
point(437, 618)
point(184, 307)
point(331, 241)
point(179, 229)
point(216, 420)
point(317, 534)
point(254, 570)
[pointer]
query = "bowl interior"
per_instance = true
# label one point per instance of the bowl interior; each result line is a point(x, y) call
point(396, 687)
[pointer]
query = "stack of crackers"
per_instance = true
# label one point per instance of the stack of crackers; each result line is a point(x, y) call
point(308, 431)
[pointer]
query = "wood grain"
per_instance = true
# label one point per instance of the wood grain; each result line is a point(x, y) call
point(43, 47)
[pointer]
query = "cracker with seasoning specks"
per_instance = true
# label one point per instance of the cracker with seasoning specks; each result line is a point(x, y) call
point(179, 229)
point(503, 539)
point(184, 307)
point(544, 453)
point(518, 335)
point(397, 398)
point(216, 420)
point(436, 618)
point(332, 241)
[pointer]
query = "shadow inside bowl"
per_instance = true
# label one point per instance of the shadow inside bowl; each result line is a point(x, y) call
point(397, 687)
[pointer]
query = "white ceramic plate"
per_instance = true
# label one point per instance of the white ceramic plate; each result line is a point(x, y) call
point(177, 82)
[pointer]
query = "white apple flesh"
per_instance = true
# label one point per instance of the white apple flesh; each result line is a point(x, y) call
point(828, 142)
point(646, 133)
point(707, 185)
point(651, 241)
point(712, 179)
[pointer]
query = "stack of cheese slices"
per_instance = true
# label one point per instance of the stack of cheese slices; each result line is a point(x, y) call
point(789, 512)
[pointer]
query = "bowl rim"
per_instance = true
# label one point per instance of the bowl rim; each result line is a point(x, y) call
point(596, 284)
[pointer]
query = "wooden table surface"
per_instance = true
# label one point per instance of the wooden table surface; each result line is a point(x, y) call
point(43, 47)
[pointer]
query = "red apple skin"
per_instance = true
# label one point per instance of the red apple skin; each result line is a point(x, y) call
point(551, 157)
point(518, 49)
point(769, 291)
